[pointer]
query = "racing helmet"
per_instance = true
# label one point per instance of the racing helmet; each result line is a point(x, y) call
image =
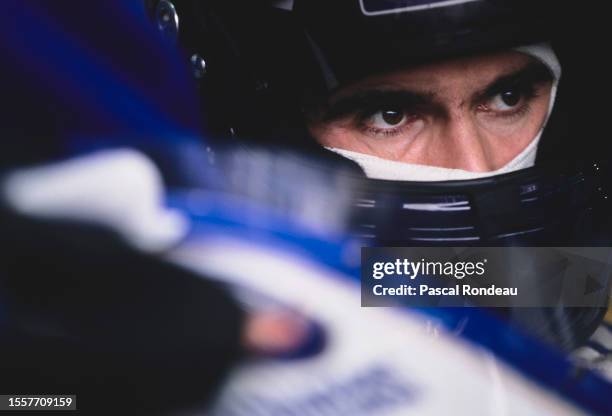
point(260, 70)
point(263, 66)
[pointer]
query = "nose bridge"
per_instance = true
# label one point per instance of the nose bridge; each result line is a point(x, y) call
point(466, 142)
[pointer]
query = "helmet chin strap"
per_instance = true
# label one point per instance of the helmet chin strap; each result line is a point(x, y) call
point(378, 168)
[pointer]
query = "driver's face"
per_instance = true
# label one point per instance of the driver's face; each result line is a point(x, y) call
point(474, 113)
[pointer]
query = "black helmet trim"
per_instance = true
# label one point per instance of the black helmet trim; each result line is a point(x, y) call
point(382, 7)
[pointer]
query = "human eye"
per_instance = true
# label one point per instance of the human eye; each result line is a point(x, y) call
point(509, 101)
point(386, 121)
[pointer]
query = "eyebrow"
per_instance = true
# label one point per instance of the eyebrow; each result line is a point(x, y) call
point(533, 73)
point(370, 100)
point(364, 101)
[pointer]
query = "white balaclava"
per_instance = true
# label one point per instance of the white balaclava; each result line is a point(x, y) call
point(378, 168)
